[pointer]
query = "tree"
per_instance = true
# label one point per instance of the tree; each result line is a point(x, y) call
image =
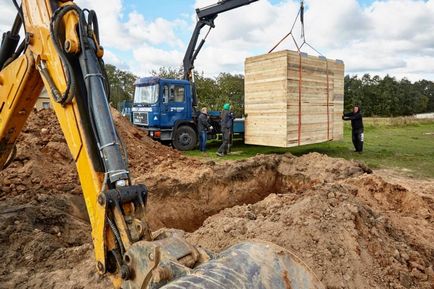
point(231, 88)
point(168, 72)
point(121, 84)
point(387, 96)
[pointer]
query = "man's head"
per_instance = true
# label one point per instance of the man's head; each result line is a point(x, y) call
point(356, 109)
point(227, 106)
point(204, 110)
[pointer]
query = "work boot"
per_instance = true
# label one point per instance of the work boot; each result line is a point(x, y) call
point(219, 154)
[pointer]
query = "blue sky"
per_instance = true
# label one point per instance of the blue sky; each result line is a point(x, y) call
point(372, 36)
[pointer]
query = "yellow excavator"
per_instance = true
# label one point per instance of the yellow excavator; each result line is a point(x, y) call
point(61, 52)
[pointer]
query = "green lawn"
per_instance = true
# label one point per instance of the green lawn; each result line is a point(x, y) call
point(408, 147)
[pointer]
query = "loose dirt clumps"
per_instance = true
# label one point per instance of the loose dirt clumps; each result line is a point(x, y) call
point(355, 229)
point(361, 232)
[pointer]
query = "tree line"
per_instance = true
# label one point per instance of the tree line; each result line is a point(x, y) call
point(376, 95)
point(388, 97)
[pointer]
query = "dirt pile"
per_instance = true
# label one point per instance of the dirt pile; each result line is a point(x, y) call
point(45, 244)
point(360, 232)
point(44, 163)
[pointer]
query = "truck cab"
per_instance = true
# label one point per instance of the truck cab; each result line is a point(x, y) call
point(164, 108)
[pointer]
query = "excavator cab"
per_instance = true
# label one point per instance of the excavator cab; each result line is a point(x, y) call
point(61, 51)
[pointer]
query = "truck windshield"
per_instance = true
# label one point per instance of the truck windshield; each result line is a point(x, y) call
point(146, 94)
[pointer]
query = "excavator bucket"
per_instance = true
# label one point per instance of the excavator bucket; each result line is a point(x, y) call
point(251, 265)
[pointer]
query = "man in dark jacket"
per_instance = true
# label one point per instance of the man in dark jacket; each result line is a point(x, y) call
point(203, 126)
point(226, 126)
point(357, 125)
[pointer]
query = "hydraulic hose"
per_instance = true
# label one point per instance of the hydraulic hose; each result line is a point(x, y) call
point(20, 11)
point(10, 158)
point(65, 97)
point(117, 235)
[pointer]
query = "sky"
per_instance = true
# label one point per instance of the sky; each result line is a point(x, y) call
point(394, 37)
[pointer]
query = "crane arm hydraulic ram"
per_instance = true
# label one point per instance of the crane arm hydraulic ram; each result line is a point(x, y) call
point(61, 52)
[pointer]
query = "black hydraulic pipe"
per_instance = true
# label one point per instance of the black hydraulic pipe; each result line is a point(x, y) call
point(188, 62)
point(10, 41)
point(8, 47)
point(199, 47)
point(16, 27)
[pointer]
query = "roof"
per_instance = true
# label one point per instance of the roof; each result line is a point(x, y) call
point(146, 81)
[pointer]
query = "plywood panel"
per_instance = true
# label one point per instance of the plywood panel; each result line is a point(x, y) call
point(293, 99)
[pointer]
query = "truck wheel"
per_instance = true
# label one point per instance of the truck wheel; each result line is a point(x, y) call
point(185, 138)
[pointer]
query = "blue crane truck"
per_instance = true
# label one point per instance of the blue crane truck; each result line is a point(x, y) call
point(167, 108)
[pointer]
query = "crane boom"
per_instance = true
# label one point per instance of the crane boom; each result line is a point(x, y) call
point(206, 17)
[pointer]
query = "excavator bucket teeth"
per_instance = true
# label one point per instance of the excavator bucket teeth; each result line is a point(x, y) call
point(251, 265)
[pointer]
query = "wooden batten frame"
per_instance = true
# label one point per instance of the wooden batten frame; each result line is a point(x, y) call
point(293, 99)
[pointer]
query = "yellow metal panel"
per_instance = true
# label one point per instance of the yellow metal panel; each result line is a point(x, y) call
point(20, 86)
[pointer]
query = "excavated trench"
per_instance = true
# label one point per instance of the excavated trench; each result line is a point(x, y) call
point(176, 203)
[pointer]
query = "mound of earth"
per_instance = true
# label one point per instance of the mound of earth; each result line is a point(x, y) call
point(44, 164)
point(359, 232)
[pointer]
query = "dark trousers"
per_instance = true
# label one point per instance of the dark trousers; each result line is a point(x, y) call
point(203, 137)
point(226, 135)
point(358, 138)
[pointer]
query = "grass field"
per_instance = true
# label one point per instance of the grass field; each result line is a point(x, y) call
point(408, 147)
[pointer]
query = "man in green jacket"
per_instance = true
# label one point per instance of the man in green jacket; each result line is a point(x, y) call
point(226, 121)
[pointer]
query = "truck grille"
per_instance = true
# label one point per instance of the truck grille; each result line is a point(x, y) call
point(140, 118)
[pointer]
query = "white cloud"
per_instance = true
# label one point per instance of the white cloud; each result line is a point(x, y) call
point(387, 37)
point(134, 30)
point(112, 58)
point(160, 31)
point(148, 58)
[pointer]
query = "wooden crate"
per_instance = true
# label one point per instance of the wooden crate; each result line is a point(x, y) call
point(293, 99)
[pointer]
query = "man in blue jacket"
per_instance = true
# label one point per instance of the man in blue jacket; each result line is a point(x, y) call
point(226, 121)
point(357, 126)
point(203, 126)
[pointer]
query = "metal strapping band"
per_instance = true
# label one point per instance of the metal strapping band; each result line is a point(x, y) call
point(115, 173)
point(300, 82)
point(328, 100)
point(108, 145)
point(93, 75)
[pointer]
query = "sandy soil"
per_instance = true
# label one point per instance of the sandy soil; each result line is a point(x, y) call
point(354, 228)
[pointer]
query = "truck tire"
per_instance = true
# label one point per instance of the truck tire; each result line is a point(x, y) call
point(184, 138)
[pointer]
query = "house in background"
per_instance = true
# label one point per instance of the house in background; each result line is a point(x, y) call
point(429, 115)
point(43, 101)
